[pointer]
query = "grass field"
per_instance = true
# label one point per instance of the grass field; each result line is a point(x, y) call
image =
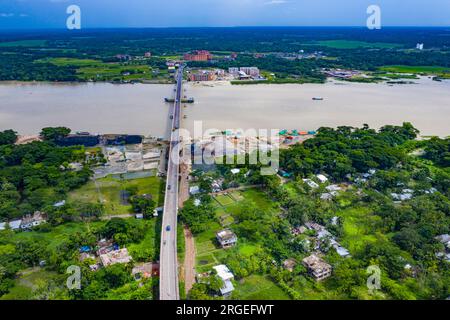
point(107, 191)
point(29, 280)
point(98, 70)
point(347, 44)
point(208, 254)
point(256, 287)
point(24, 43)
point(425, 70)
point(148, 248)
point(357, 233)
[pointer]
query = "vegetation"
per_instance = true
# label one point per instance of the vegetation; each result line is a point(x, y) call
point(103, 56)
point(397, 236)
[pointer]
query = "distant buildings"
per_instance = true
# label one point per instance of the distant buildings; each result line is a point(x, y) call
point(317, 267)
point(419, 46)
point(341, 73)
point(31, 221)
point(148, 54)
point(26, 223)
point(198, 55)
point(244, 73)
point(226, 238)
point(202, 75)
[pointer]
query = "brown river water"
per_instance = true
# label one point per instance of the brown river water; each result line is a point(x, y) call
point(140, 109)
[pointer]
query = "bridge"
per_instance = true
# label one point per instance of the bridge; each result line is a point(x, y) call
point(168, 283)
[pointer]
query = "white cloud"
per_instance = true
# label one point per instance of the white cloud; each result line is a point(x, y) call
point(275, 2)
point(6, 15)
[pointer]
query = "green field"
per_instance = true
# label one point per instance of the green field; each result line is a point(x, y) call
point(90, 69)
point(208, 254)
point(347, 44)
point(256, 287)
point(357, 233)
point(24, 43)
point(442, 72)
point(30, 281)
point(107, 191)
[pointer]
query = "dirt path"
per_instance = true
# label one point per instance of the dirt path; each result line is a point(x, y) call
point(189, 260)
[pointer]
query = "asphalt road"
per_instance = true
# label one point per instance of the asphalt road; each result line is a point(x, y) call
point(168, 283)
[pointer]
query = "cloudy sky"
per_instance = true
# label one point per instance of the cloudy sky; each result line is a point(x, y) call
point(179, 13)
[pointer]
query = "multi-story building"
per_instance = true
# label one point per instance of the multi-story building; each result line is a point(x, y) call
point(198, 55)
point(226, 238)
point(318, 268)
point(202, 76)
point(251, 71)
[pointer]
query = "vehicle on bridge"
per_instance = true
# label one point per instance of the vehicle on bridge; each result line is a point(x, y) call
point(168, 228)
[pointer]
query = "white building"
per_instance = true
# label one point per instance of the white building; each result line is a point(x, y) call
point(226, 238)
point(194, 190)
point(311, 183)
point(322, 178)
point(225, 274)
point(15, 224)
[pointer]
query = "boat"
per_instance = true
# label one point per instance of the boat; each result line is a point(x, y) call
point(317, 98)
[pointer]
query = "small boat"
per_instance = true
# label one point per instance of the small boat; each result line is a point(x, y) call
point(317, 98)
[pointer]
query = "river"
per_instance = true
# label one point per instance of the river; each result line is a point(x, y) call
point(139, 108)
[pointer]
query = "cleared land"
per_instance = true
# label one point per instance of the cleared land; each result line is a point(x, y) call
point(108, 192)
point(347, 44)
point(442, 72)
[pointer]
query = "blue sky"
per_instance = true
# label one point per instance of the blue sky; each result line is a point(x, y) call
point(200, 13)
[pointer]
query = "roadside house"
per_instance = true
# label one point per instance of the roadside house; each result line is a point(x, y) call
point(226, 238)
point(225, 274)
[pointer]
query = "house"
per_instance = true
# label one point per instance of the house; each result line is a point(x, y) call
point(289, 264)
point(344, 253)
point(197, 202)
point(194, 190)
point(299, 230)
point(335, 220)
point(145, 270)
point(311, 183)
point(15, 224)
point(139, 216)
point(105, 246)
point(85, 256)
point(235, 171)
point(225, 274)
point(318, 268)
point(333, 188)
point(322, 178)
point(59, 204)
point(328, 195)
point(314, 226)
point(405, 195)
point(30, 221)
point(226, 238)
point(116, 256)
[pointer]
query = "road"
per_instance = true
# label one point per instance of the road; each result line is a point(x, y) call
point(168, 283)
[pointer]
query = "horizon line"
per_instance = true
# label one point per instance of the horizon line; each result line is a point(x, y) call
point(215, 27)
